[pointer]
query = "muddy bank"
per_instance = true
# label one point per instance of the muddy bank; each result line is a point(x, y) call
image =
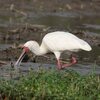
point(20, 35)
point(25, 20)
point(37, 32)
point(13, 51)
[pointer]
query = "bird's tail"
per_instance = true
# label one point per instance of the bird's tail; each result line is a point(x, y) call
point(85, 46)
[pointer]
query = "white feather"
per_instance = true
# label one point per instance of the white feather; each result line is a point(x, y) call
point(60, 41)
point(57, 42)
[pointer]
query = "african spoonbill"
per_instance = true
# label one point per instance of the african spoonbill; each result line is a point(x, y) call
point(56, 42)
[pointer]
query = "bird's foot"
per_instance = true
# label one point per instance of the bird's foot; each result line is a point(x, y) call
point(62, 66)
point(73, 61)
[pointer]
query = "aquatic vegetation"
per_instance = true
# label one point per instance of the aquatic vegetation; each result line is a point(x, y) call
point(51, 84)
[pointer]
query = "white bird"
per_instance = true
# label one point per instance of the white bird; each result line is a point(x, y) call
point(56, 42)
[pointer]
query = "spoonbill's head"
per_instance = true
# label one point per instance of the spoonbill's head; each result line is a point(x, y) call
point(28, 46)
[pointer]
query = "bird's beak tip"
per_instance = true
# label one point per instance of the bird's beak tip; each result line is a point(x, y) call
point(20, 58)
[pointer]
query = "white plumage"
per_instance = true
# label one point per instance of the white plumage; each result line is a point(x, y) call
point(57, 42)
point(60, 41)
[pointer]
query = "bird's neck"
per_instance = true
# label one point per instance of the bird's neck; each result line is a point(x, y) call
point(39, 50)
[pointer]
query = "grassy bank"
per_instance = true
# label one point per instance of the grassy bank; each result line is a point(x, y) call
point(51, 85)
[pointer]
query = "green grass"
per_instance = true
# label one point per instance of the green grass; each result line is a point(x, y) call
point(51, 85)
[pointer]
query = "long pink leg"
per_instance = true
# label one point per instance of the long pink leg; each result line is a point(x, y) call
point(61, 66)
point(73, 61)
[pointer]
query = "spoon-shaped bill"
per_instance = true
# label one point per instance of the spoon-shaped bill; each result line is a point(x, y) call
point(20, 58)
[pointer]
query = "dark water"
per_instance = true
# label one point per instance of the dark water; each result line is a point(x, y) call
point(66, 21)
point(69, 20)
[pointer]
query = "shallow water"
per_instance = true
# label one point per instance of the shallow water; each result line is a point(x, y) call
point(5, 46)
point(7, 72)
